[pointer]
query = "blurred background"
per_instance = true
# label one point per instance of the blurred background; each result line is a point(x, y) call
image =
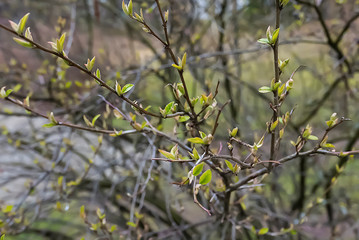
point(315, 198)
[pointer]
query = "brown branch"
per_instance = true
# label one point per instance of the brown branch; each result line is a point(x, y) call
point(164, 22)
point(217, 118)
point(328, 130)
point(332, 44)
point(325, 96)
point(242, 164)
point(83, 69)
point(19, 103)
point(276, 107)
point(180, 72)
point(264, 170)
point(345, 28)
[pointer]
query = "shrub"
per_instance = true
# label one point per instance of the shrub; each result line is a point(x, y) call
point(106, 152)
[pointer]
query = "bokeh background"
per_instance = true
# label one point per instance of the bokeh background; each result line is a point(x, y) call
point(220, 38)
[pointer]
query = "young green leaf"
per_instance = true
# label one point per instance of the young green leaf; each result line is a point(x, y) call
point(273, 126)
point(88, 123)
point(263, 231)
point(14, 25)
point(275, 36)
point(118, 89)
point(206, 177)
point(52, 118)
point(28, 34)
point(49, 125)
point(260, 142)
point(100, 215)
point(7, 208)
point(307, 131)
point(5, 93)
point(269, 35)
point(94, 226)
point(281, 89)
point(98, 73)
point(60, 43)
point(139, 18)
point(27, 101)
point(174, 150)
point(183, 118)
point(113, 228)
point(82, 212)
point(263, 41)
point(94, 119)
point(167, 154)
point(333, 120)
point(23, 42)
point(312, 137)
point(236, 169)
point(147, 30)
point(234, 132)
point(168, 108)
point(130, 8)
point(264, 89)
point(195, 140)
point(198, 169)
point(166, 16)
point(22, 24)
point(229, 165)
point(124, 7)
point(177, 67)
point(203, 135)
point(194, 154)
point(127, 88)
point(60, 180)
point(90, 63)
point(289, 84)
point(328, 145)
point(184, 60)
point(116, 133)
point(131, 224)
point(283, 64)
point(281, 132)
point(181, 89)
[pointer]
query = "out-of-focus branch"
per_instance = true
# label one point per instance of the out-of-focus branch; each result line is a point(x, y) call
point(83, 69)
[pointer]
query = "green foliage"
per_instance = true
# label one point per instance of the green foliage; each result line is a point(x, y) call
point(198, 169)
point(182, 63)
point(194, 155)
point(120, 91)
point(90, 63)
point(204, 139)
point(263, 231)
point(20, 27)
point(206, 177)
point(271, 37)
point(5, 93)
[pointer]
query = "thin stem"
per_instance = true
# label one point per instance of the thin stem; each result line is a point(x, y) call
point(164, 22)
point(273, 147)
point(217, 118)
point(83, 69)
point(180, 72)
point(345, 28)
point(332, 44)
